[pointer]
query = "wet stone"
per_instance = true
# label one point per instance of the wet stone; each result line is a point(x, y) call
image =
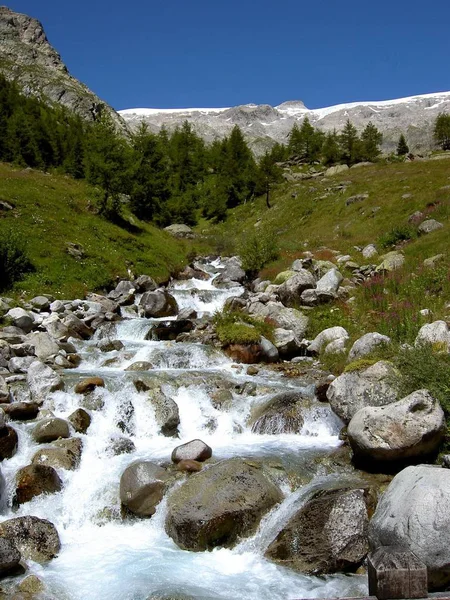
point(194, 450)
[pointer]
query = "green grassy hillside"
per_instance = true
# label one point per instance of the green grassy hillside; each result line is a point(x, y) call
point(309, 214)
point(52, 211)
point(314, 215)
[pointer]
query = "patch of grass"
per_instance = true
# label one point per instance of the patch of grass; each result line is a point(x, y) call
point(331, 315)
point(233, 327)
point(360, 364)
point(422, 367)
point(391, 303)
point(50, 211)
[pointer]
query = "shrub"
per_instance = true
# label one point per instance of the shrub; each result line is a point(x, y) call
point(14, 262)
point(234, 327)
point(259, 248)
point(402, 233)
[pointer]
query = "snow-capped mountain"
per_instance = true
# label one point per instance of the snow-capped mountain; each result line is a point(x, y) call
point(263, 124)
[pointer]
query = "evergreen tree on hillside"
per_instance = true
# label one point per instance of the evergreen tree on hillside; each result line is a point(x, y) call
point(268, 174)
point(150, 175)
point(295, 142)
point(402, 146)
point(237, 168)
point(107, 164)
point(331, 152)
point(187, 153)
point(306, 142)
point(371, 139)
point(441, 131)
point(350, 144)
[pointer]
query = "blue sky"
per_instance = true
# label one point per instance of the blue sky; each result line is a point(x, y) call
point(181, 53)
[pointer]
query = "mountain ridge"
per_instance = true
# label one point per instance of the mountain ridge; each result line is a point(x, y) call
point(264, 125)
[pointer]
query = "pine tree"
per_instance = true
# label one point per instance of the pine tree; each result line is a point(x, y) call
point(371, 139)
point(150, 175)
point(237, 168)
point(350, 144)
point(331, 153)
point(268, 174)
point(441, 131)
point(306, 142)
point(402, 146)
point(107, 164)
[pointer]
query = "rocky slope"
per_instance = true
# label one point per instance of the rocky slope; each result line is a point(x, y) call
point(27, 57)
point(264, 124)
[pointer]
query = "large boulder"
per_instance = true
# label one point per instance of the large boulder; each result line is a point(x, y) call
point(219, 504)
point(36, 539)
point(9, 557)
point(287, 343)
point(410, 428)
point(50, 429)
point(327, 534)
point(21, 318)
point(142, 487)
point(8, 442)
point(179, 230)
point(429, 225)
point(232, 271)
point(88, 385)
point(158, 304)
point(372, 386)
point(80, 420)
point(437, 333)
point(44, 345)
point(283, 413)
point(77, 328)
point(330, 282)
point(42, 380)
point(325, 337)
point(367, 344)
point(391, 262)
point(57, 458)
point(291, 290)
point(34, 480)
point(166, 413)
point(21, 411)
point(414, 514)
point(285, 318)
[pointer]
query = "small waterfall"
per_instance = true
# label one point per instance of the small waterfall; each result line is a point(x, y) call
point(273, 522)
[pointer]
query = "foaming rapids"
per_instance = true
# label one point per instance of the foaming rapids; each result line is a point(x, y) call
point(106, 557)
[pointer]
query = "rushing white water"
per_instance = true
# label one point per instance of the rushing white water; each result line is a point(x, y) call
point(106, 558)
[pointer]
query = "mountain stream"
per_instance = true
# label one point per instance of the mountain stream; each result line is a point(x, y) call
point(104, 557)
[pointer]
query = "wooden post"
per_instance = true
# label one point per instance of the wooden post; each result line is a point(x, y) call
point(396, 573)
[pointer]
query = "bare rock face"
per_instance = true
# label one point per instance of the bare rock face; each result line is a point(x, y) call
point(219, 504)
point(27, 57)
point(328, 534)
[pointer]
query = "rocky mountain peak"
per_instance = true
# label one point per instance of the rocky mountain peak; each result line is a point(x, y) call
point(21, 32)
point(292, 104)
point(28, 58)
